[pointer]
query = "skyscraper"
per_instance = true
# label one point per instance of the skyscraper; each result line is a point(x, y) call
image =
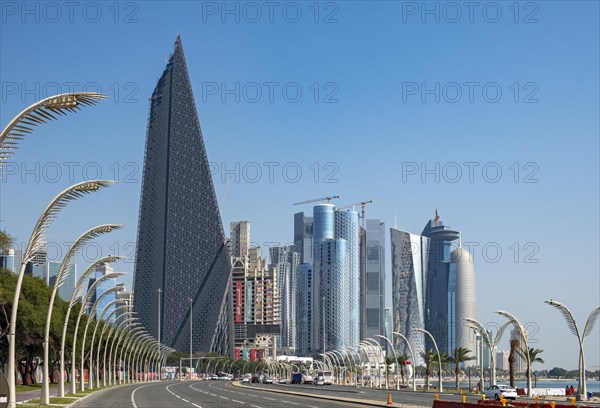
point(303, 241)
point(48, 271)
point(304, 293)
point(466, 300)
point(285, 260)
point(303, 237)
point(433, 288)
point(374, 318)
point(335, 278)
point(440, 298)
point(98, 273)
point(256, 306)
point(323, 228)
point(409, 285)
point(181, 246)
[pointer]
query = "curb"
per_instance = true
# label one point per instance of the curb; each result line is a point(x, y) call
point(73, 404)
point(326, 397)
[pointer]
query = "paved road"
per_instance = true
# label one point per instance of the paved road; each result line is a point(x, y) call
point(201, 394)
point(405, 397)
point(225, 394)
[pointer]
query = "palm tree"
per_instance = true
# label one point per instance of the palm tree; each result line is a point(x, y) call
point(514, 345)
point(533, 357)
point(402, 357)
point(460, 355)
point(429, 358)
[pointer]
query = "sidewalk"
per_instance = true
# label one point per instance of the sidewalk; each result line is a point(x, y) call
point(36, 392)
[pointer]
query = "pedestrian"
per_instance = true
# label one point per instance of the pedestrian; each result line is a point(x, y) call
point(572, 390)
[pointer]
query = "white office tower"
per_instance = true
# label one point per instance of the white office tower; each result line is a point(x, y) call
point(466, 301)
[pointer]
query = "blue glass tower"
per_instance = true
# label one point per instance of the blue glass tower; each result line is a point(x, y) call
point(440, 314)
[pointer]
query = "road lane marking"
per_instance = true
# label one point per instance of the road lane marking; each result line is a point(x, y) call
point(239, 402)
point(133, 395)
point(183, 399)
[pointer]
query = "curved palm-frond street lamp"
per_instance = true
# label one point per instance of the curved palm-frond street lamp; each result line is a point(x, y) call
point(131, 321)
point(109, 337)
point(589, 326)
point(440, 387)
point(124, 306)
point(511, 318)
point(37, 237)
point(491, 344)
point(60, 279)
point(133, 353)
point(117, 361)
point(133, 333)
point(82, 280)
point(118, 309)
point(413, 356)
point(84, 306)
point(42, 112)
point(93, 308)
point(395, 358)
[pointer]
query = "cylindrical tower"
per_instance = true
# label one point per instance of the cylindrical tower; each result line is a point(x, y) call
point(466, 301)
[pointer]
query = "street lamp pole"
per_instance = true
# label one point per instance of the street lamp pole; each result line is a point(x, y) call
point(440, 387)
point(412, 355)
point(191, 336)
point(104, 328)
point(589, 326)
point(379, 351)
point(37, 237)
point(395, 357)
point(514, 321)
point(113, 327)
point(491, 344)
point(159, 369)
point(60, 279)
point(82, 280)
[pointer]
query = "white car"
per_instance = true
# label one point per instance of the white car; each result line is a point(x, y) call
point(497, 390)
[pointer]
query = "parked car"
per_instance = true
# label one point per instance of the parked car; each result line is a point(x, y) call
point(267, 380)
point(320, 380)
point(497, 390)
point(246, 380)
point(284, 381)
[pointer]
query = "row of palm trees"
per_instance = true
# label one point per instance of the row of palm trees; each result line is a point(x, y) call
point(461, 355)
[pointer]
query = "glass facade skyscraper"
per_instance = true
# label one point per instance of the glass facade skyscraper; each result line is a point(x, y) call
point(347, 228)
point(433, 287)
point(181, 245)
point(409, 285)
point(440, 298)
point(303, 237)
point(48, 271)
point(335, 278)
point(375, 279)
point(304, 293)
point(285, 260)
point(98, 273)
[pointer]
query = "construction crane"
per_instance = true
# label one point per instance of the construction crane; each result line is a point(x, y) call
point(329, 198)
point(362, 204)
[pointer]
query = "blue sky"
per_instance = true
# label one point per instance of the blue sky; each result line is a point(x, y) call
point(380, 97)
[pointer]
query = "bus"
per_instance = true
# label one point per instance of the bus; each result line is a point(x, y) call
point(327, 377)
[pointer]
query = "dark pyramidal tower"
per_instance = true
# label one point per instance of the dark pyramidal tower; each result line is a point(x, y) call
point(181, 247)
